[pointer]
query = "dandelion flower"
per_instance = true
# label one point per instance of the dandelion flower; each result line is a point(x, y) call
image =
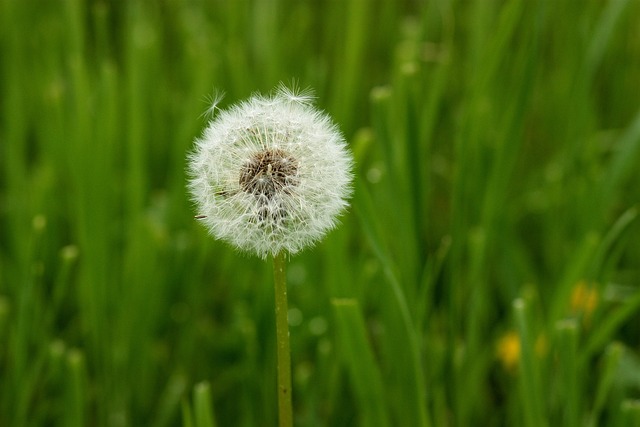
point(584, 298)
point(508, 350)
point(271, 174)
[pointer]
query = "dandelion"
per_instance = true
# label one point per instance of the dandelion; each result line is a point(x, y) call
point(509, 348)
point(584, 300)
point(271, 174)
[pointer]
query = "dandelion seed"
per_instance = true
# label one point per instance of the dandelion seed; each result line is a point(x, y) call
point(303, 96)
point(271, 174)
point(213, 101)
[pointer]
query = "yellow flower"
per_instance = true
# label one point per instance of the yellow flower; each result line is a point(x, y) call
point(508, 350)
point(584, 299)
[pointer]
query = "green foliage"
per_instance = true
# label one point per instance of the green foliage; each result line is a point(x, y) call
point(497, 146)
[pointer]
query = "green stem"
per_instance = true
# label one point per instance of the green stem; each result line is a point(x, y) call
point(285, 416)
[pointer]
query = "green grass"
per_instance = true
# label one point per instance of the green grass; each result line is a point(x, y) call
point(497, 146)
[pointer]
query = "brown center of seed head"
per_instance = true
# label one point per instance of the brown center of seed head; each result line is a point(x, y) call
point(268, 172)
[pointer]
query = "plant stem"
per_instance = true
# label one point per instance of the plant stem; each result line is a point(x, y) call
point(285, 416)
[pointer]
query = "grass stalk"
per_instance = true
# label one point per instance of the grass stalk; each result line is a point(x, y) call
point(569, 384)
point(202, 408)
point(529, 383)
point(359, 357)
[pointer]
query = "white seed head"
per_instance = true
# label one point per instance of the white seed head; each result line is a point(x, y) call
point(271, 174)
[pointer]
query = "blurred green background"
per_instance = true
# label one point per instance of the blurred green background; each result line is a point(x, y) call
point(487, 273)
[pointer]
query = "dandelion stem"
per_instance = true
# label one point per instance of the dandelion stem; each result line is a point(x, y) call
point(285, 416)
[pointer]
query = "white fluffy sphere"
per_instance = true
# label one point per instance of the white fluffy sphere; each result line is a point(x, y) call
point(271, 174)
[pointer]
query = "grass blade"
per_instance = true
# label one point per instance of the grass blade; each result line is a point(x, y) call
point(363, 371)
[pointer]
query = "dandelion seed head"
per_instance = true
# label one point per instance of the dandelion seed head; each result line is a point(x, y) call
point(271, 174)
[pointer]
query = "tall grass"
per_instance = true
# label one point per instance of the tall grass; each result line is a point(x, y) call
point(487, 273)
